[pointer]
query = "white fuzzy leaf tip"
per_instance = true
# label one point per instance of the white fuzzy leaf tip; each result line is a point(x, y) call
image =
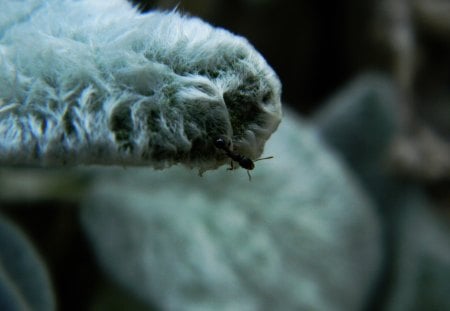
point(95, 82)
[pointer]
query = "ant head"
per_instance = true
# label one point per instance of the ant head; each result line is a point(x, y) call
point(221, 143)
point(247, 163)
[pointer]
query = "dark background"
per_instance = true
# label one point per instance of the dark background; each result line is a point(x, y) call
point(314, 46)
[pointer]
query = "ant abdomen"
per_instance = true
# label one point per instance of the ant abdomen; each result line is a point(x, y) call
point(246, 163)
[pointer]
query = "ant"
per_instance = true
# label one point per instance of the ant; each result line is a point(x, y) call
point(243, 161)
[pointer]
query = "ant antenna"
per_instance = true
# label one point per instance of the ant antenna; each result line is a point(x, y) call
point(248, 171)
point(266, 158)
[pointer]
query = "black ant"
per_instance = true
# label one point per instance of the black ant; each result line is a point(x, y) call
point(243, 161)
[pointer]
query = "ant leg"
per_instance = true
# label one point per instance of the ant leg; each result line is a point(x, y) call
point(249, 176)
point(231, 166)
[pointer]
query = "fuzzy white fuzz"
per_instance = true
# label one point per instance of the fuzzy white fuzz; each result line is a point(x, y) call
point(95, 82)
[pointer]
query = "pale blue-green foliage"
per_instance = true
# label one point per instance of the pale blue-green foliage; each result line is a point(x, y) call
point(421, 254)
point(361, 123)
point(24, 282)
point(16, 11)
point(300, 236)
point(361, 120)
